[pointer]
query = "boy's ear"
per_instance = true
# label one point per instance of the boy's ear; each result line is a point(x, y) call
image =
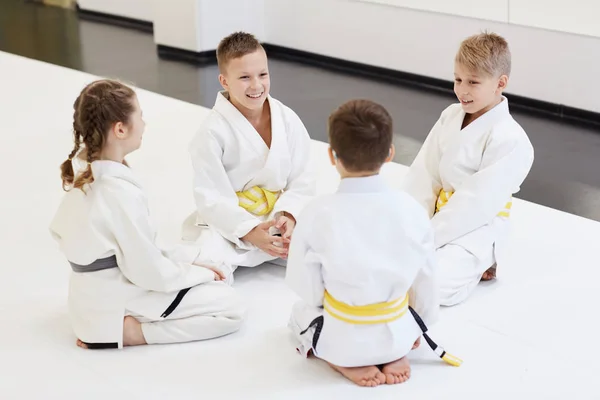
point(223, 82)
point(502, 82)
point(391, 154)
point(332, 156)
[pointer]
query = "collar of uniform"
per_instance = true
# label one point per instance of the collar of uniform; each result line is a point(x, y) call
point(501, 107)
point(367, 184)
point(115, 169)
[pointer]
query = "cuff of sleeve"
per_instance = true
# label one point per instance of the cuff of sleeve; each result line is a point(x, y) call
point(279, 211)
point(242, 230)
point(198, 275)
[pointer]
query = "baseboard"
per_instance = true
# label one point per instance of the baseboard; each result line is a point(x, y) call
point(124, 22)
point(520, 103)
point(193, 57)
point(358, 69)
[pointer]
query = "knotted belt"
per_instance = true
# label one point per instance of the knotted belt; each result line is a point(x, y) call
point(257, 200)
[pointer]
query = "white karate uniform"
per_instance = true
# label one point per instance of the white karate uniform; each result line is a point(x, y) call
point(112, 219)
point(484, 164)
point(364, 244)
point(230, 156)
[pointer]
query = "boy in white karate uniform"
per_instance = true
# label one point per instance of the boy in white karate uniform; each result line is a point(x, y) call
point(360, 257)
point(474, 159)
point(124, 289)
point(250, 160)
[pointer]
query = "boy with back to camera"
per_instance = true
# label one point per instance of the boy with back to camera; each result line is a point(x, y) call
point(362, 260)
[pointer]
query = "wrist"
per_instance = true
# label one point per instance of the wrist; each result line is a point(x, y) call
point(290, 216)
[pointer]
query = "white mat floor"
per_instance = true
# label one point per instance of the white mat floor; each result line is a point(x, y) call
point(533, 332)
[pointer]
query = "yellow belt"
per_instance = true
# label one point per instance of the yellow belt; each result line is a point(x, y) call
point(381, 313)
point(444, 196)
point(257, 200)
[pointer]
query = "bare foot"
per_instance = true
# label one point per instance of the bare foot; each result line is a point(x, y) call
point(132, 332)
point(417, 344)
point(489, 274)
point(397, 371)
point(362, 376)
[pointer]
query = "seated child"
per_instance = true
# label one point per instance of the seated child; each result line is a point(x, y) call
point(360, 257)
point(474, 159)
point(251, 165)
point(124, 289)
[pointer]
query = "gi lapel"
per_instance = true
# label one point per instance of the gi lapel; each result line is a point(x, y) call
point(487, 120)
point(278, 137)
point(239, 123)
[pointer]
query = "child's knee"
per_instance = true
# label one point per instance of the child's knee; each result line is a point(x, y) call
point(232, 303)
point(454, 289)
point(452, 295)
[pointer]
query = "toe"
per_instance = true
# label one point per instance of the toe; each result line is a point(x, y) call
point(389, 379)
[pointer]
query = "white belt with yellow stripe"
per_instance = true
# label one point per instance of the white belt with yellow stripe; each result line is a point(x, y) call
point(257, 200)
point(382, 313)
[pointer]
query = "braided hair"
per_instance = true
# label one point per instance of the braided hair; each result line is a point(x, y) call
point(99, 106)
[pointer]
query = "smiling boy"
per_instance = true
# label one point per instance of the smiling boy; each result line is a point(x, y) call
point(250, 160)
point(472, 162)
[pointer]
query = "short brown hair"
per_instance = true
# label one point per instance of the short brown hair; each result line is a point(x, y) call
point(236, 45)
point(485, 52)
point(360, 133)
point(100, 105)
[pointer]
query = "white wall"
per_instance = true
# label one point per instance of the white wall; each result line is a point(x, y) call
point(547, 65)
point(199, 25)
point(177, 26)
point(219, 18)
point(493, 10)
point(573, 16)
point(136, 9)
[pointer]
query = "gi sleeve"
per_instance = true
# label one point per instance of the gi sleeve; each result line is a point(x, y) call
point(423, 180)
point(505, 164)
point(216, 200)
point(301, 184)
point(424, 292)
point(303, 272)
point(140, 258)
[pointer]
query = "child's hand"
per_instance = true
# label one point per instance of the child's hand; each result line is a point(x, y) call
point(219, 276)
point(286, 224)
point(272, 245)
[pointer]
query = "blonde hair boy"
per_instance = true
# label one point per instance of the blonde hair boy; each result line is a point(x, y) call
point(481, 72)
point(474, 159)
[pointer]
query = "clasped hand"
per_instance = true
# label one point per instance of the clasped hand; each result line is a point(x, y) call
point(274, 245)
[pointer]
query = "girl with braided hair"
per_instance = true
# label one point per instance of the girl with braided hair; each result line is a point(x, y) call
point(124, 289)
